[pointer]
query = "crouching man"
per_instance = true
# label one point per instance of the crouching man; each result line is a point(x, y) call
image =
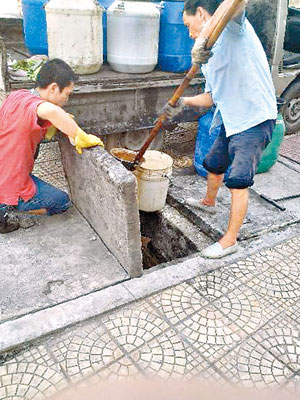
point(25, 117)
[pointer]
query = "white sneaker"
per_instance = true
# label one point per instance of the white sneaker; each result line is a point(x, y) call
point(217, 251)
point(197, 204)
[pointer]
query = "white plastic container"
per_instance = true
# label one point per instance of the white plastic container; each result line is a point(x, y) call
point(74, 30)
point(132, 36)
point(153, 180)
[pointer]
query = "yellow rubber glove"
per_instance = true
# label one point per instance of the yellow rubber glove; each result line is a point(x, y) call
point(84, 140)
point(50, 132)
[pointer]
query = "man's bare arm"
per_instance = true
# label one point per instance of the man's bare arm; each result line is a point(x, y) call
point(58, 118)
point(201, 100)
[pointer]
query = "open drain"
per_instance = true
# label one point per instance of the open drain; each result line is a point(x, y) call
point(167, 236)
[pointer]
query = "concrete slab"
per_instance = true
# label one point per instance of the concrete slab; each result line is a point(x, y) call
point(294, 165)
point(280, 181)
point(105, 192)
point(58, 259)
point(262, 217)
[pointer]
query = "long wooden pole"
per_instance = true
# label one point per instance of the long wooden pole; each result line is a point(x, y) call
point(212, 31)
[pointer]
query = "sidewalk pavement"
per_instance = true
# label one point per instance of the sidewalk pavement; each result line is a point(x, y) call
point(239, 325)
point(235, 325)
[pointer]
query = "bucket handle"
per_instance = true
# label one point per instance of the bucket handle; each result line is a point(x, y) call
point(168, 176)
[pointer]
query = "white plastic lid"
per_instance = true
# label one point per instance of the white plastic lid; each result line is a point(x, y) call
point(156, 160)
point(134, 8)
point(64, 6)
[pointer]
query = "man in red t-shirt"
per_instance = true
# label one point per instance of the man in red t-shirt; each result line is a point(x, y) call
point(25, 117)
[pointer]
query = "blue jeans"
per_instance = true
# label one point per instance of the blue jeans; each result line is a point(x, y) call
point(242, 152)
point(54, 200)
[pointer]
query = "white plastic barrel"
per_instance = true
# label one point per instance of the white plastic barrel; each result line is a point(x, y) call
point(132, 36)
point(153, 180)
point(74, 31)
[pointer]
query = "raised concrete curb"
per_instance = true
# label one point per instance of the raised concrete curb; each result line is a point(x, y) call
point(32, 326)
point(105, 193)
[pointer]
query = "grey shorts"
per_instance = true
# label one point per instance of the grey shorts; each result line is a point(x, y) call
point(241, 152)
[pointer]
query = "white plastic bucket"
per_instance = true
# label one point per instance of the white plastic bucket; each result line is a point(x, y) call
point(153, 180)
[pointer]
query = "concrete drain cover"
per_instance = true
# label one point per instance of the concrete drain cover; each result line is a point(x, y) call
point(262, 217)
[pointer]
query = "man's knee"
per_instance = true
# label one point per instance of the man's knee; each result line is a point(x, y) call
point(214, 169)
point(60, 204)
point(238, 183)
point(66, 201)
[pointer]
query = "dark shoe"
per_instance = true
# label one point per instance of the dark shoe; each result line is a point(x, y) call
point(8, 223)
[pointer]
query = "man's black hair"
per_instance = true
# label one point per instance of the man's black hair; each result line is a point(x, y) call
point(190, 6)
point(57, 71)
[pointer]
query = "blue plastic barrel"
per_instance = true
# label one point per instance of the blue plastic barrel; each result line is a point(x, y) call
point(174, 51)
point(105, 4)
point(204, 141)
point(35, 28)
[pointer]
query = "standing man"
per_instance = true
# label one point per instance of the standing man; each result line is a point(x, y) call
point(239, 84)
point(25, 117)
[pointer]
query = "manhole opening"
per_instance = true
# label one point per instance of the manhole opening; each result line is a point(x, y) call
point(163, 239)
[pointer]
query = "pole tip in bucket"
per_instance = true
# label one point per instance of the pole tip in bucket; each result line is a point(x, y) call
point(125, 156)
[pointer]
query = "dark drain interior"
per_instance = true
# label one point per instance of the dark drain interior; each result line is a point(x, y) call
point(167, 236)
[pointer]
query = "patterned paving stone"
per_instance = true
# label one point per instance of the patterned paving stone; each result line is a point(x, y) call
point(294, 312)
point(228, 319)
point(178, 302)
point(133, 327)
point(282, 260)
point(85, 350)
point(48, 166)
point(43, 171)
point(167, 356)
point(276, 285)
point(281, 337)
point(37, 355)
point(211, 332)
point(122, 369)
point(247, 309)
point(27, 380)
point(49, 151)
point(251, 365)
point(211, 285)
point(273, 273)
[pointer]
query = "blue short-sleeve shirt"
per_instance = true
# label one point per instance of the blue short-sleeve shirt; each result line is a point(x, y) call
point(239, 79)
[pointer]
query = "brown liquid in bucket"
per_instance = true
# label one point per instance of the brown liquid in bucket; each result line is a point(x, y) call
point(126, 157)
point(124, 154)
